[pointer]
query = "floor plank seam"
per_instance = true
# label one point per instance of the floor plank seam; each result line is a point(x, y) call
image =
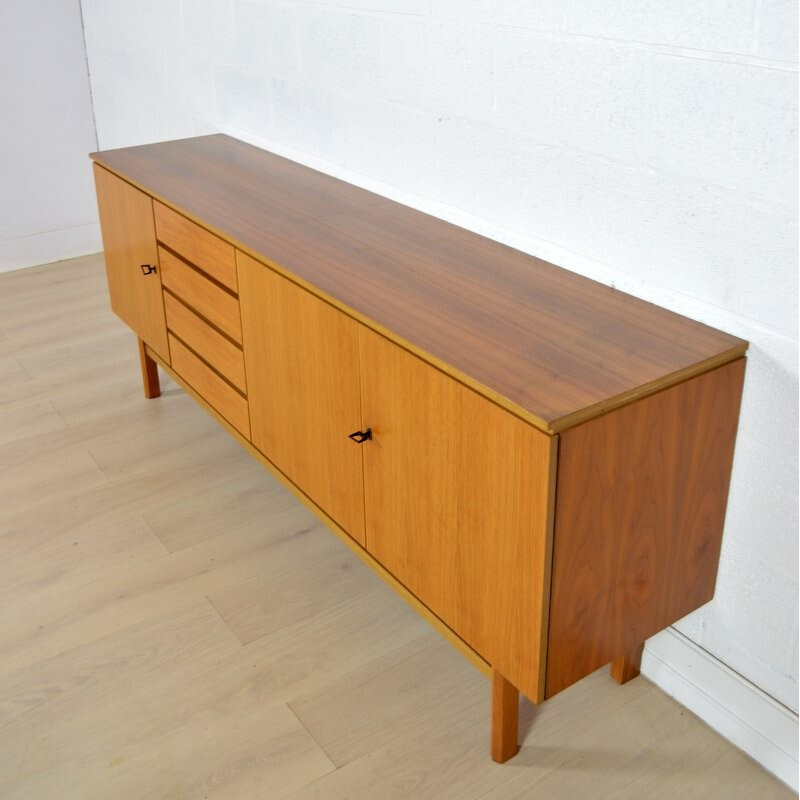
point(316, 742)
point(224, 621)
point(149, 527)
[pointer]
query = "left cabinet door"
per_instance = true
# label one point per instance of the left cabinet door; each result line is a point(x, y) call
point(129, 242)
point(301, 356)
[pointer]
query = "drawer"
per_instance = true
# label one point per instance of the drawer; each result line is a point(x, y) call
point(197, 245)
point(212, 346)
point(206, 298)
point(215, 391)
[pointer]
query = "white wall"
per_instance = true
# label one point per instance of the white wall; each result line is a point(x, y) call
point(648, 143)
point(47, 206)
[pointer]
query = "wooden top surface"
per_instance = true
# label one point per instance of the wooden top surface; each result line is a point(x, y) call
point(551, 345)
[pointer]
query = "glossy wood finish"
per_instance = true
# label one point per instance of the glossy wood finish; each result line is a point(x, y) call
point(220, 352)
point(505, 719)
point(303, 381)
point(457, 496)
point(129, 240)
point(150, 383)
point(554, 347)
point(207, 252)
point(217, 392)
point(640, 508)
point(196, 291)
point(627, 666)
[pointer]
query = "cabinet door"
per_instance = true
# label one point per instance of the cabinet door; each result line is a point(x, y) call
point(129, 241)
point(458, 506)
point(301, 357)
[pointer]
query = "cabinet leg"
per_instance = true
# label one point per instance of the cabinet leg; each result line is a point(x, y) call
point(627, 666)
point(152, 388)
point(505, 718)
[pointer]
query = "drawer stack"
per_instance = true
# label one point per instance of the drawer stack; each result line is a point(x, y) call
point(201, 303)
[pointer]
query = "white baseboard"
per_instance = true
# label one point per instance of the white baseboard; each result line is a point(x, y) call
point(42, 248)
point(737, 709)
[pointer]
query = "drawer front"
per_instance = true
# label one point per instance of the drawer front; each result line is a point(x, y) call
point(211, 345)
point(213, 389)
point(200, 294)
point(205, 250)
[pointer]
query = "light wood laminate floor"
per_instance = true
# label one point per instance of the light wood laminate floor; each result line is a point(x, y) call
point(174, 624)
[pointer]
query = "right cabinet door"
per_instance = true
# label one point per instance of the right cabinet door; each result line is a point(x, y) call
point(458, 496)
point(301, 359)
point(129, 242)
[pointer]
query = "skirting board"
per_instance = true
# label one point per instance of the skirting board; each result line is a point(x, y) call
point(724, 700)
point(43, 248)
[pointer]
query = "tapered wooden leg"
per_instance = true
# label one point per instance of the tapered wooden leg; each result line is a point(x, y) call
point(152, 388)
point(505, 718)
point(627, 667)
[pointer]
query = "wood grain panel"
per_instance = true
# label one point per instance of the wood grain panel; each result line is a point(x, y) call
point(459, 644)
point(640, 510)
point(207, 252)
point(221, 395)
point(457, 495)
point(200, 294)
point(218, 351)
point(129, 240)
point(303, 380)
point(550, 345)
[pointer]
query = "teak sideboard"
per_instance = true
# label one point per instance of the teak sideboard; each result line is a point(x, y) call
point(538, 463)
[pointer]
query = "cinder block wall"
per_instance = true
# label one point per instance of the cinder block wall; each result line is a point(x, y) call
point(651, 144)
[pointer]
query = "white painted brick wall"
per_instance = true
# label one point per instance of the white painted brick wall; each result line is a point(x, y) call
point(730, 124)
point(443, 67)
point(513, 174)
point(267, 39)
point(776, 30)
point(341, 51)
point(648, 143)
point(574, 92)
point(725, 26)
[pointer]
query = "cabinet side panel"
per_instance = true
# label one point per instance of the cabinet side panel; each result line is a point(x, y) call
point(640, 507)
point(457, 494)
point(129, 241)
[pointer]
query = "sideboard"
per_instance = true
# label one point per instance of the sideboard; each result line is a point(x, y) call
point(537, 462)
